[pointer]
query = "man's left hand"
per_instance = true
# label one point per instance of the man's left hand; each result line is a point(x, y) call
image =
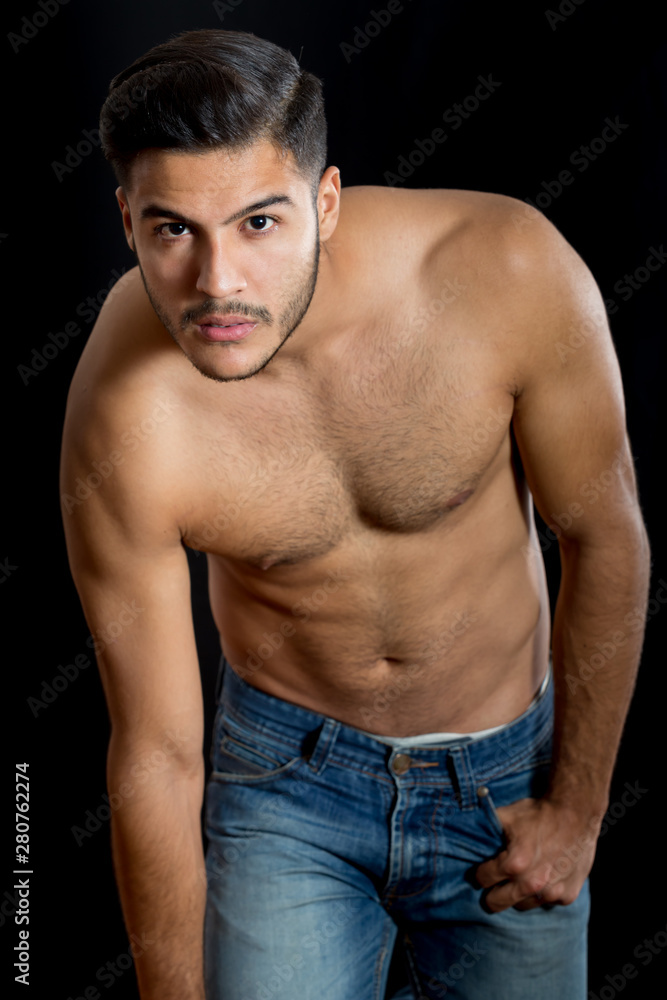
point(548, 856)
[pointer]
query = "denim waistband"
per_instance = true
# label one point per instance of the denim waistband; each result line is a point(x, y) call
point(486, 757)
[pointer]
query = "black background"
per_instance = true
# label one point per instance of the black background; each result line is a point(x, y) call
point(561, 76)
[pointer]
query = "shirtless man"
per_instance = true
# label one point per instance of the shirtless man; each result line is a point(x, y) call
point(348, 400)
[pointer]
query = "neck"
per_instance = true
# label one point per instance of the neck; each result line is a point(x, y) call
point(321, 323)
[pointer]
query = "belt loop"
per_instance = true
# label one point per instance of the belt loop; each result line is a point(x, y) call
point(324, 744)
point(461, 773)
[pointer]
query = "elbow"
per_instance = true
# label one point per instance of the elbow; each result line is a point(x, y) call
point(623, 545)
point(626, 534)
point(172, 754)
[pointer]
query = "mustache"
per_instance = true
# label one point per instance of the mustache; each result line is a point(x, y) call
point(230, 308)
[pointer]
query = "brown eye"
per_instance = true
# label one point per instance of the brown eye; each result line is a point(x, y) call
point(260, 223)
point(173, 229)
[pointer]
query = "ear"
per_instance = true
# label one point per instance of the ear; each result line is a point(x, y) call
point(121, 198)
point(328, 202)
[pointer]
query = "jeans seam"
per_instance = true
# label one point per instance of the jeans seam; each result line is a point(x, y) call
point(527, 754)
point(265, 736)
point(229, 778)
point(395, 852)
point(513, 767)
point(346, 766)
point(394, 895)
point(383, 953)
point(413, 971)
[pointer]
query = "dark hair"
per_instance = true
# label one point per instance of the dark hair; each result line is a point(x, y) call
point(210, 88)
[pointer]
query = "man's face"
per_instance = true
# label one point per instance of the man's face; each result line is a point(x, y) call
point(228, 246)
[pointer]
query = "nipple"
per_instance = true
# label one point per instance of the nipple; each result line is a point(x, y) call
point(459, 498)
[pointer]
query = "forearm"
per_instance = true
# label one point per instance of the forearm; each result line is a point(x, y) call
point(159, 864)
point(597, 640)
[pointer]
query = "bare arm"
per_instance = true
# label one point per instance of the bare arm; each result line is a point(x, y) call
point(570, 428)
point(130, 568)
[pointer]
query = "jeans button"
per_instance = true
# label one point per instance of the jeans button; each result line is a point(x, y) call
point(401, 763)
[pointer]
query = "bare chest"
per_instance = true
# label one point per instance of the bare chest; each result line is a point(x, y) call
point(390, 442)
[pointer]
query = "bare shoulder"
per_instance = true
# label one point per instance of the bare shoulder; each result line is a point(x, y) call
point(437, 209)
point(500, 233)
point(128, 364)
point(411, 199)
point(507, 271)
point(127, 344)
point(124, 412)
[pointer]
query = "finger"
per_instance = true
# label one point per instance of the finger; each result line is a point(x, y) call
point(525, 899)
point(515, 891)
point(549, 896)
point(532, 903)
point(491, 872)
point(504, 896)
point(552, 892)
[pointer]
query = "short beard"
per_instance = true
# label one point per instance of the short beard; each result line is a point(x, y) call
point(288, 321)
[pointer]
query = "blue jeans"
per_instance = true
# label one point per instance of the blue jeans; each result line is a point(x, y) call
point(328, 848)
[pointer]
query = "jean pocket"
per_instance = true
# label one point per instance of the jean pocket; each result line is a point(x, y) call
point(240, 756)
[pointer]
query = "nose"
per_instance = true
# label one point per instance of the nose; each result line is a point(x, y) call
point(220, 276)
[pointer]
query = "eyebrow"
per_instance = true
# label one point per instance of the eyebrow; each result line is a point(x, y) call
point(161, 212)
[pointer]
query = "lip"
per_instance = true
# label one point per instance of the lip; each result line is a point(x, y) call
point(217, 329)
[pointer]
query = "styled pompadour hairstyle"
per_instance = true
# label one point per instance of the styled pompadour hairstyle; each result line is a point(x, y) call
point(214, 89)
